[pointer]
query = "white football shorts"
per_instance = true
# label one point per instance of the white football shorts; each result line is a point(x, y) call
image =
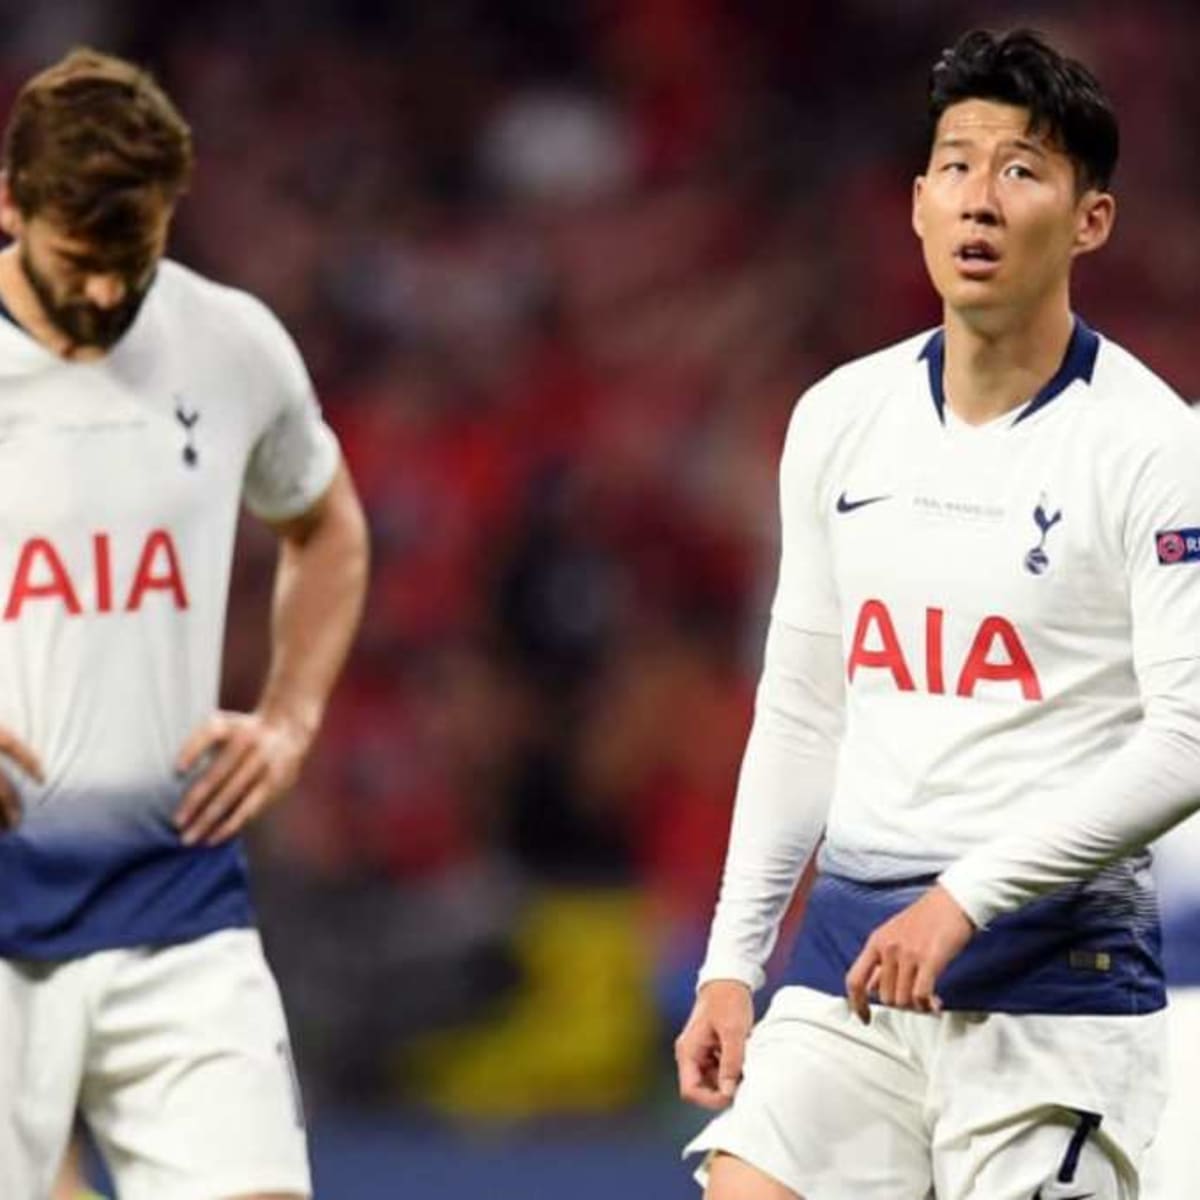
point(1172, 1170)
point(967, 1106)
point(178, 1058)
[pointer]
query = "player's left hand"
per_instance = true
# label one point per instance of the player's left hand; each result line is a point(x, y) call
point(254, 760)
point(901, 961)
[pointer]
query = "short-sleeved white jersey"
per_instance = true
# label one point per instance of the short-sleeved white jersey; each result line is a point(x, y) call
point(120, 486)
point(997, 590)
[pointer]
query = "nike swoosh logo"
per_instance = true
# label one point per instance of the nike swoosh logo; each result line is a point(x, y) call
point(845, 505)
point(1076, 1196)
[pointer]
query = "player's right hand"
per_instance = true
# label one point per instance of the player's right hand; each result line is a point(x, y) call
point(10, 799)
point(712, 1047)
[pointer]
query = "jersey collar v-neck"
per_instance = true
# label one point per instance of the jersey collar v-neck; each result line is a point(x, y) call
point(6, 314)
point(1078, 362)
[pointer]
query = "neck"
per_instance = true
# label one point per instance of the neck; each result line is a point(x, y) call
point(991, 371)
point(22, 302)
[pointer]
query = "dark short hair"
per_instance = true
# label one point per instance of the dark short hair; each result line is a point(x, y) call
point(1062, 96)
point(94, 143)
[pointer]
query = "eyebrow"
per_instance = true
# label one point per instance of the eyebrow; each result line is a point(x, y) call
point(958, 142)
point(82, 258)
point(130, 264)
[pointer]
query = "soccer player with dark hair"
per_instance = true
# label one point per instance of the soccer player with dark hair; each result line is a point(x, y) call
point(140, 405)
point(980, 699)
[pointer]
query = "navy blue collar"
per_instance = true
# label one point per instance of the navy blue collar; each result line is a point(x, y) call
point(1078, 363)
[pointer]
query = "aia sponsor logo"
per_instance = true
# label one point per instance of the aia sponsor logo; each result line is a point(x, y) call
point(41, 577)
point(996, 655)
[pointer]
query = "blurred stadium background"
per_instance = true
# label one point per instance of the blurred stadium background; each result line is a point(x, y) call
point(560, 268)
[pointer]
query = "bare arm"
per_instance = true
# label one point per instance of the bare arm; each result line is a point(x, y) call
point(320, 583)
point(319, 588)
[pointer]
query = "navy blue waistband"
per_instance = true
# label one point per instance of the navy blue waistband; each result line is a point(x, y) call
point(67, 896)
point(1090, 950)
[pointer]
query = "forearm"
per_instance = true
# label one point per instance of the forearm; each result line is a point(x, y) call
point(782, 799)
point(1149, 785)
point(320, 583)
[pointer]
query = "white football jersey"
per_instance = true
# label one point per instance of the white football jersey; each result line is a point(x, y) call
point(120, 486)
point(997, 590)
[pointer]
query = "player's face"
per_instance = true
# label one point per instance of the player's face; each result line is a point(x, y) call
point(90, 295)
point(999, 212)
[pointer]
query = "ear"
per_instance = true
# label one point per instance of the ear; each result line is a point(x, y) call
point(11, 221)
point(918, 220)
point(1094, 217)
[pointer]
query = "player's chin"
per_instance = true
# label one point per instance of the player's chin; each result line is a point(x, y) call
point(965, 294)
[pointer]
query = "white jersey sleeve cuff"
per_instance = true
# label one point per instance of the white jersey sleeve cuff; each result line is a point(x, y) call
point(750, 974)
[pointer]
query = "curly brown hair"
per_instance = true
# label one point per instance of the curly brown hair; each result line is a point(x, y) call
point(94, 144)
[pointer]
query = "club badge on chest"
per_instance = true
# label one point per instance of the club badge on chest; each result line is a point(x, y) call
point(1037, 560)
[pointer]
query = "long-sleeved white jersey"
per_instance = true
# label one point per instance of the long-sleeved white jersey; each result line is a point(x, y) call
point(1014, 614)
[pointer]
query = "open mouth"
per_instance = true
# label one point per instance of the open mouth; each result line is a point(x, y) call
point(977, 252)
point(977, 260)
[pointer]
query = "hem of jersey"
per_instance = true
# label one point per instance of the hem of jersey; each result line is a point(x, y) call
point(126, 940)
point(1150, 1006)
point(1041, 980)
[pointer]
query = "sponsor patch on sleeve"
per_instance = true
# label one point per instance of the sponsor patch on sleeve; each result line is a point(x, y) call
point(1177, 545)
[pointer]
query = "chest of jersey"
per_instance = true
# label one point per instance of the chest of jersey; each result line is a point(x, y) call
point(106, 492)
point(969, 562)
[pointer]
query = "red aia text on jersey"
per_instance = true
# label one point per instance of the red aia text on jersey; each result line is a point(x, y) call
point(997, 653)
point(41, 574)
